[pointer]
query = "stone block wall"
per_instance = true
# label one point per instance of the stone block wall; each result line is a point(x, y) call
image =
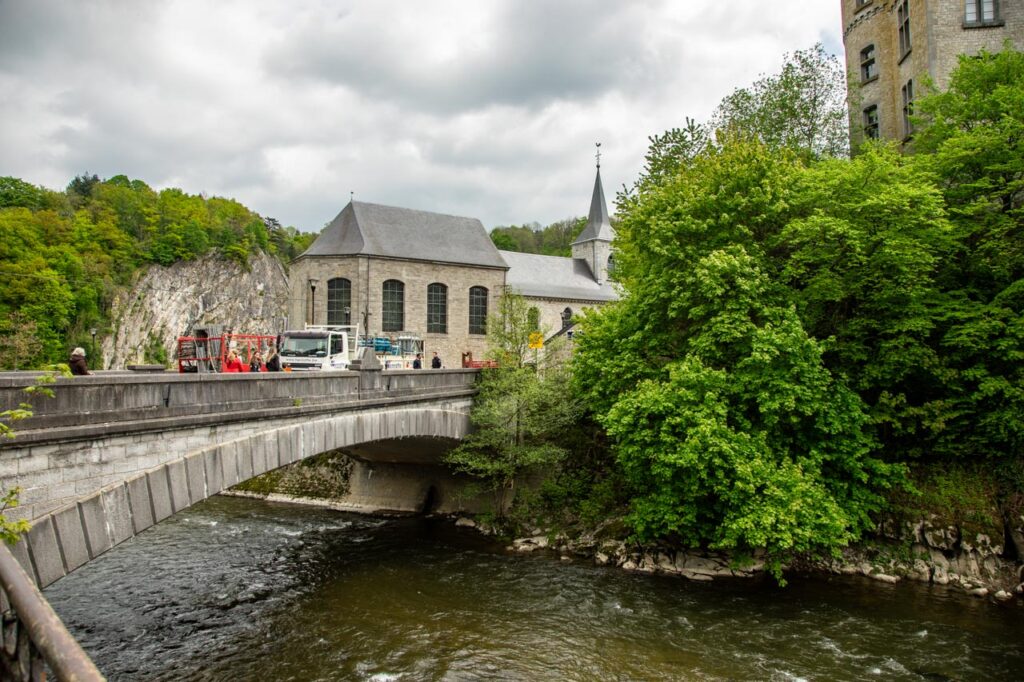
point(367, 276)
point(938, 36)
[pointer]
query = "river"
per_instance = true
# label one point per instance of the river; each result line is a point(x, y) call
point(240, 589)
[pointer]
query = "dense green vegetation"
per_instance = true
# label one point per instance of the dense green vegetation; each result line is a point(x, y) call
point(523, 410)
point(64, 254)
point(798, 331)
point(554, 240)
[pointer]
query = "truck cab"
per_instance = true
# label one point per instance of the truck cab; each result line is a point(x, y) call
point(318, 347)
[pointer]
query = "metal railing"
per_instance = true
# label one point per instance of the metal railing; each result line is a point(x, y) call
point(34, 640)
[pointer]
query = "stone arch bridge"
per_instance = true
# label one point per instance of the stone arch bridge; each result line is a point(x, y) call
point(115, 453)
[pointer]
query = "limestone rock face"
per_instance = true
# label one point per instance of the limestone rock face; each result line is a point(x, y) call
point(166, 302)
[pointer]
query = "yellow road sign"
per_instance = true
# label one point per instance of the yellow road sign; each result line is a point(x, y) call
point(536, 340)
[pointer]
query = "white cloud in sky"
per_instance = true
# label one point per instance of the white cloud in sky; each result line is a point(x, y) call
point(486, 109)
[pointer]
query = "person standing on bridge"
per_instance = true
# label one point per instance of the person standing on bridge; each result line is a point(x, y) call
point(77, 362)
point(418, 362)
point(436, 362)
point(233, 363)
point(273, 359)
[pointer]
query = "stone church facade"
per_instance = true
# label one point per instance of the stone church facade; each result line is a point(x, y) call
point(403, 272)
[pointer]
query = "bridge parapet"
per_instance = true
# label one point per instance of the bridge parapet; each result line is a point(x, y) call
point(100, 405)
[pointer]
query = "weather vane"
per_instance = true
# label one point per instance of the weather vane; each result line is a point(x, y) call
point(351, 196)
point(598, 155)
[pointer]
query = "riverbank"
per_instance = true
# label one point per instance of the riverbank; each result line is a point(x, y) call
point(921, 552)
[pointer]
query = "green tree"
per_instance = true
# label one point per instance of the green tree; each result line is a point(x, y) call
point(972, 138)
point(722, 409)
point(803, 107)
point(522, 409)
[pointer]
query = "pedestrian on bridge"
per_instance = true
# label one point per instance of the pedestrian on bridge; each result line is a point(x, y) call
point(436, 362)
point(273, 359)
point(77, 362)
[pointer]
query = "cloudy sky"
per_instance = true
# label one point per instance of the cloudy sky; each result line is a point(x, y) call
point(482, 108)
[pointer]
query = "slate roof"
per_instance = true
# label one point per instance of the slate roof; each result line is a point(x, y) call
point(599, 225)
point(554, 277)
point(391, 232)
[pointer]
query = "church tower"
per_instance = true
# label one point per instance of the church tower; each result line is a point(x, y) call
point(594, 245)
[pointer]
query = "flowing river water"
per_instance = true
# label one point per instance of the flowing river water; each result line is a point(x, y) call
point(240, 589)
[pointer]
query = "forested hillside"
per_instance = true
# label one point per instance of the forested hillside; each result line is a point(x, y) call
point(64, 255)
point(554, 240)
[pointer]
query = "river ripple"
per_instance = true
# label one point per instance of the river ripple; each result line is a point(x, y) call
point(238, 589)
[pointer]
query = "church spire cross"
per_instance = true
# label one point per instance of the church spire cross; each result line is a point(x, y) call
point(598, 154)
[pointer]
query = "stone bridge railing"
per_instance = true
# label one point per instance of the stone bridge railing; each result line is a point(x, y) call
point(99, 430)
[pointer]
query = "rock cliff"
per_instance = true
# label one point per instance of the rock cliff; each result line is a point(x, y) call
point(165, 302)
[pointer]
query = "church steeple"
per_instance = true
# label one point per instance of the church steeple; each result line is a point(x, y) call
point(594, 243)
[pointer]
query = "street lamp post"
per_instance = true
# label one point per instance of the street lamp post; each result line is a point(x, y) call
point(93, 349)
point(312, 287)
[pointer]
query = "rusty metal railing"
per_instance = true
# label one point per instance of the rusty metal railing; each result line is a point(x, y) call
point(33, 637)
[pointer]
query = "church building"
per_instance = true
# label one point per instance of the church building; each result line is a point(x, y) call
point(403, 272)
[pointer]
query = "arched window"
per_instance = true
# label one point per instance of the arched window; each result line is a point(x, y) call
point(611, 266)
point(437, 309)
point(339, 301)
point(566, 317)
point(478, 310)
point(392, 317)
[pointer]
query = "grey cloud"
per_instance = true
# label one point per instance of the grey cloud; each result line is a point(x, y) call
point(539, 52)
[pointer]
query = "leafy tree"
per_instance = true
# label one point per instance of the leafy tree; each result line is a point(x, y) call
point(724, 413)
point(19, 342)
point(672, 150)
point(521, 410)
point(554, 240)
point(972, 138)
point(803, 107)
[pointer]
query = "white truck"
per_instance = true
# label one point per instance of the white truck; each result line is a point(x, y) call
point(319, 346)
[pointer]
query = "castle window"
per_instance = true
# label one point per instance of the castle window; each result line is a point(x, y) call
point(437, 309)
point(908, 106)
point(903, 19)
point(871, 122)
point(393, 306)
point(981, 13)
point(478, 310)
point(339, 301)
point(868, 67)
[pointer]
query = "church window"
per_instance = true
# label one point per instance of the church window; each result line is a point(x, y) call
point(566, 317)
point(611, 267)
point(478, 310)
point(533, 318)
point(339, 301)
point(437, 309)
point(393, 307)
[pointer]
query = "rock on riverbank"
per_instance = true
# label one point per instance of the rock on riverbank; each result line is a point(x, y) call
point(921, 551)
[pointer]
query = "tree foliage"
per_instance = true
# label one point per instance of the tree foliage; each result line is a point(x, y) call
point(802, 107)
point(798, 329)
point(65, 253)
point(522, 409)
point(554, 240)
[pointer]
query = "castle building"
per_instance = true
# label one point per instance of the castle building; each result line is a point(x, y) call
point(403, 272)
point(891, 46)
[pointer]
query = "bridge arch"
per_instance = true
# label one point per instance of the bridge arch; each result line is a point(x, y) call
point(68, 538)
